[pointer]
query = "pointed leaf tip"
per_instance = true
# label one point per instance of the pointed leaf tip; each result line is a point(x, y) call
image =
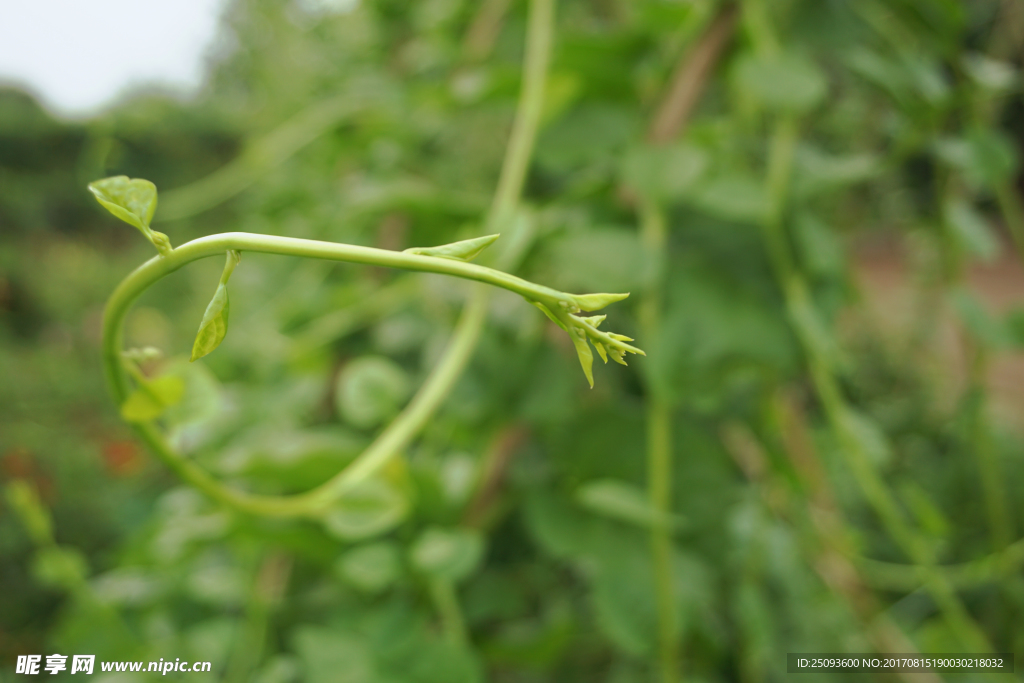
point(595, 302)
point(466, 250)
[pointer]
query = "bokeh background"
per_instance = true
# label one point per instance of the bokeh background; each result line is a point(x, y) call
point(832, 315)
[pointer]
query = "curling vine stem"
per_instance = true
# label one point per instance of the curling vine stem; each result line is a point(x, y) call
point(438, 385)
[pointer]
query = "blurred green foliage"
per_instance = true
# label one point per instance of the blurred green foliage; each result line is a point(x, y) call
point(814, 452)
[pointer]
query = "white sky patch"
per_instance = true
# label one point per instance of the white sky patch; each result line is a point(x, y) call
point(78, 55)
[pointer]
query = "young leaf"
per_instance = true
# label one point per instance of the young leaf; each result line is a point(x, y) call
point(152, 398)
point(214, 325)
point(133, 200)
point(579, 340)
point(595, 302)
point(466, 250)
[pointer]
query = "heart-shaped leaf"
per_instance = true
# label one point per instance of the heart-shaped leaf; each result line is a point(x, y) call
point(133, 200)
point(466, 250)
point(214, 325)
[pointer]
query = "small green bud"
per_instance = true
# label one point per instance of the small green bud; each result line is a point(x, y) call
point(600, 351)
point(161, 241)
point(466, 250)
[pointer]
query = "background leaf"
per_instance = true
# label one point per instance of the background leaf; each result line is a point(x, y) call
point(785, 81)
point(448, 554)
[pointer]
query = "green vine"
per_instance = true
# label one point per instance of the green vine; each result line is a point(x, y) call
point(135, 200)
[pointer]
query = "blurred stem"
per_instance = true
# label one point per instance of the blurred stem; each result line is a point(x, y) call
point(269, 585)
point(691, 75)
point(759, 27)
point(539, 38)
point(1005, 39)
point(782, 145)
point(659, 483)
point(447, 603)
point(907, 577)
point(485, 509)
point(1013, 214)
point(659, 450)
point(442, 378)
point(975, 402)
point(1000, 523)
point(986, 110)
point(484, 28)
point(800, 310)
point(826, 535)
point(685, 89)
